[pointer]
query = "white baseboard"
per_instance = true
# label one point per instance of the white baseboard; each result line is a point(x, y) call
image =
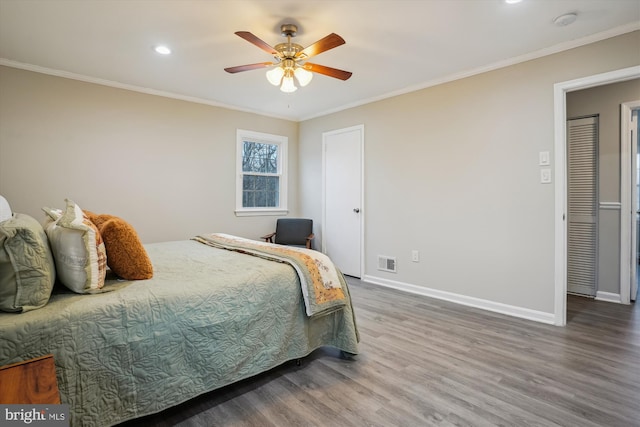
point(608, 296)
point(510, 310)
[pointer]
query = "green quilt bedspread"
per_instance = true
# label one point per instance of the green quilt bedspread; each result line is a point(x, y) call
point(209, 317)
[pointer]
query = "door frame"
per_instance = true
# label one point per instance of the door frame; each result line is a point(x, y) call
point(362, 188)
point(560, 192)
point(628, 251)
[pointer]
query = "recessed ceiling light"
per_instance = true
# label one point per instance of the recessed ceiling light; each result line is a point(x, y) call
point(162, 50)
point(512, 1)
point(566, 19)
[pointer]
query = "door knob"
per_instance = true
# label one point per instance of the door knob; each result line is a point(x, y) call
point(356, 210)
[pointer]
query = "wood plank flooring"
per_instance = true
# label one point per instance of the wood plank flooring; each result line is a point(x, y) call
point(426, 362)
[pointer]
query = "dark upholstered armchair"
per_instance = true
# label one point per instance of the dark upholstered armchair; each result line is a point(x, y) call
point(292, 232)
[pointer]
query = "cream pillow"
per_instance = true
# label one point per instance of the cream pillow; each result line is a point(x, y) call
point(78, 249)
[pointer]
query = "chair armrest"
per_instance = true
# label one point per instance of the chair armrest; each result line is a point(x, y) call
point(309, 239)
point(268, 237)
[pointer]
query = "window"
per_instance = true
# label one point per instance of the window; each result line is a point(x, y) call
point(261, 184)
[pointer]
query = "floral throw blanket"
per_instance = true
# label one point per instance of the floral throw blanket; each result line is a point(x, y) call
point(320, 279)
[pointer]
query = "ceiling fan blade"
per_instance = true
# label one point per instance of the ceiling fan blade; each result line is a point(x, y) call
point(248, 67)
point(322, 45)
point(328, 71)
point(256, 41)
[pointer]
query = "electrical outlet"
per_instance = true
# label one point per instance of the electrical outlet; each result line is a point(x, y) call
point(415, 256)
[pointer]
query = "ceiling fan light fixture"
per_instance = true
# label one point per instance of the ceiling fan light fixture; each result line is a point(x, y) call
point(275, 75)
point(287, 85)
point(303, 76)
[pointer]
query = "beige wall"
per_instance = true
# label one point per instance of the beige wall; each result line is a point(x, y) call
point(452, 171)
point(605, 101)
point(166, 166)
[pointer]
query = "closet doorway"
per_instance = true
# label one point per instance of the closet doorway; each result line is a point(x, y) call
point(561, 90)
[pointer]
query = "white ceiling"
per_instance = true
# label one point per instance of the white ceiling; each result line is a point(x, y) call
point(392, 47)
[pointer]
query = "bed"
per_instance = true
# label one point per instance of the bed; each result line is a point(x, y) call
point(208, 317)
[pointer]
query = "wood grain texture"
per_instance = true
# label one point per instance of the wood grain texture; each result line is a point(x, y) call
point(426, 362)
point(32, 381)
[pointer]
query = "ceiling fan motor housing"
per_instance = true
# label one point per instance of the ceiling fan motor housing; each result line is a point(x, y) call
point(287, 50)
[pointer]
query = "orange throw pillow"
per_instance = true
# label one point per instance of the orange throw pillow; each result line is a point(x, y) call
point(92, 217)
point(126, 256)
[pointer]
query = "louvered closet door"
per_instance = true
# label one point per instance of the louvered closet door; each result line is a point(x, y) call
point(583, 197)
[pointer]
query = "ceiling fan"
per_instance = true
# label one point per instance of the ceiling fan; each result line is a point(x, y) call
point(290, 59)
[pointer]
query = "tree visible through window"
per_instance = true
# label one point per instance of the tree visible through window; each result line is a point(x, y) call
point(261, 185)
point(260, 180)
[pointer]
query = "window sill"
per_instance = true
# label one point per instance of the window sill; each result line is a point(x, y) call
point(261, 212)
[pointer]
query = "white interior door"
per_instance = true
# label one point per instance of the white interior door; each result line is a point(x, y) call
point(342, 152)
point(582, 137)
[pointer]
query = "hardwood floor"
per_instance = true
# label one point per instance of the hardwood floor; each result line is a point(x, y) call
point(426, 362)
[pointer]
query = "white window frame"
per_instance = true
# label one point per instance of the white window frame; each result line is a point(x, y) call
point(266, 138)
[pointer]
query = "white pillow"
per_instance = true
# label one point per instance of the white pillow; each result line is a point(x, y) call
point(5, 209)
point(78, 249)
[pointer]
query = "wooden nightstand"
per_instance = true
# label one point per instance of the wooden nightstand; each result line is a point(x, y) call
point(32, 381)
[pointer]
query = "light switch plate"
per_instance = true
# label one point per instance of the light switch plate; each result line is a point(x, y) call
point(545, 176)
point(544, 159)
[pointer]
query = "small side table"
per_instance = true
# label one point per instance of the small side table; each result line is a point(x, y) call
point(32, 381)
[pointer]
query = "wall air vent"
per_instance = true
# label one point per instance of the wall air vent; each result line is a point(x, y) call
point(387, 263)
